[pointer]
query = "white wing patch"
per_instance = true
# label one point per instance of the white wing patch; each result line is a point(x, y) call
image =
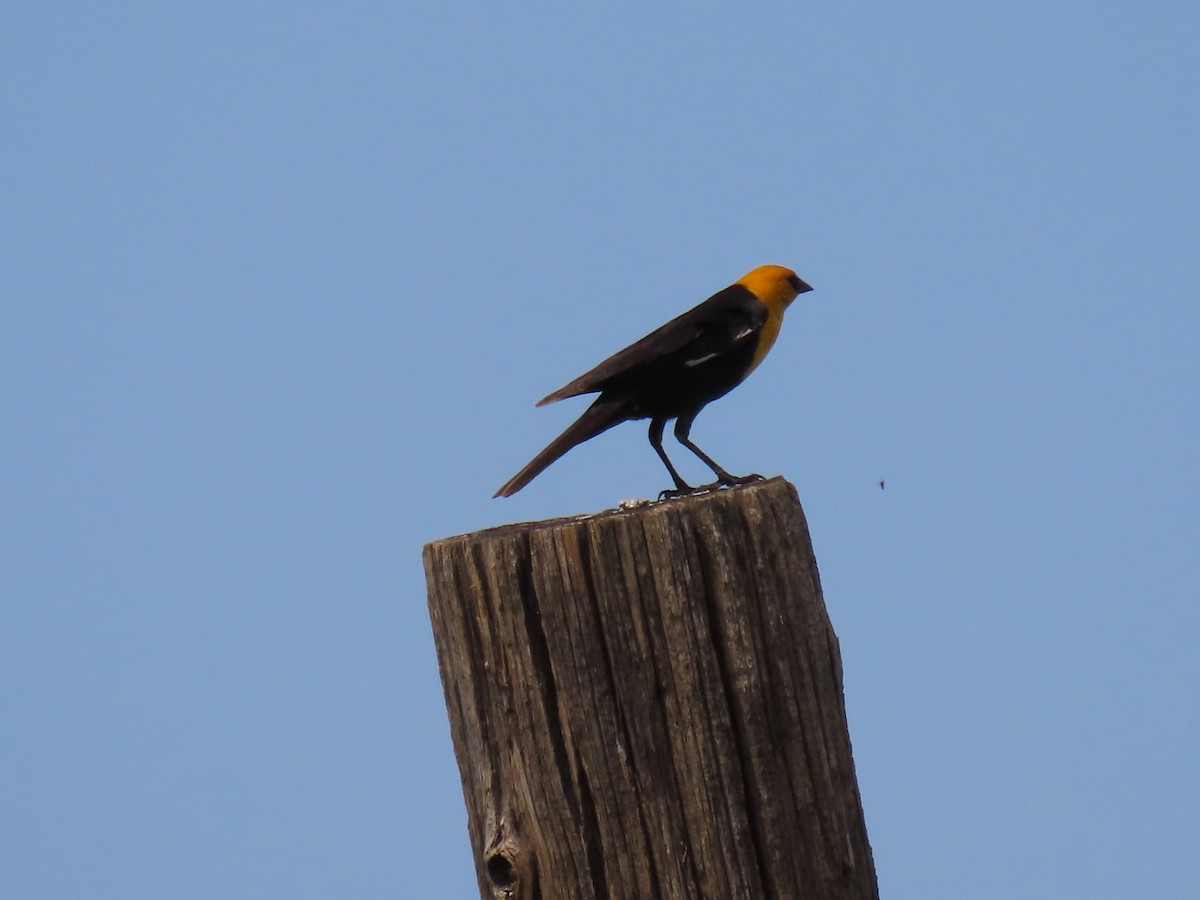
point(741, 335)
point(695, 362)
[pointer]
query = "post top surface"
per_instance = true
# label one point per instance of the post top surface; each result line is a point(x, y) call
point(740, 494)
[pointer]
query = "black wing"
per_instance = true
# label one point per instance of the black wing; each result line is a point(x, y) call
point(723, 323)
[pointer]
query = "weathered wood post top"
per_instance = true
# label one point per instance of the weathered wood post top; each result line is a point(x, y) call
point(647, 703)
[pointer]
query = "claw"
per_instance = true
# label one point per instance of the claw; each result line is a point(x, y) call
point(728, 480)
point(675, 493)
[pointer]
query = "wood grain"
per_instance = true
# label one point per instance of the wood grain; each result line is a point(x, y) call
point(647, 703)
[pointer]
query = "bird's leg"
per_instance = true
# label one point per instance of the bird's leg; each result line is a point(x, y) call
point(683, 427)
point(682, 488)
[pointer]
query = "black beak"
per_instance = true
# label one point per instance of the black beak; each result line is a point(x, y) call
point(800, 285)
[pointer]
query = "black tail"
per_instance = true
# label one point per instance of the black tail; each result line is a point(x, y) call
point(602, 415)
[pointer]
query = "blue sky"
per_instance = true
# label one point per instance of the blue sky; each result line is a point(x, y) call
point(282, 282)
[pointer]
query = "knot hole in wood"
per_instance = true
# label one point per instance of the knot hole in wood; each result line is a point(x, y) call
point(500, 870)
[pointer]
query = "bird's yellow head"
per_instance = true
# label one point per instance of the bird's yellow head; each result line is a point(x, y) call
point(776, 286)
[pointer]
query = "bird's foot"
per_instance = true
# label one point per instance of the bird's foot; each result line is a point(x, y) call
point(683, 490)
point(724, 479)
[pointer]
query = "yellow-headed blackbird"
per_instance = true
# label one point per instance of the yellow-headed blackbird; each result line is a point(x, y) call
point(672, 373)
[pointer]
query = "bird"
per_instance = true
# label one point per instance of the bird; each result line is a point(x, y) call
point(675, 371)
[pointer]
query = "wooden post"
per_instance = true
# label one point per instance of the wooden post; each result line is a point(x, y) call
point(647, 703)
